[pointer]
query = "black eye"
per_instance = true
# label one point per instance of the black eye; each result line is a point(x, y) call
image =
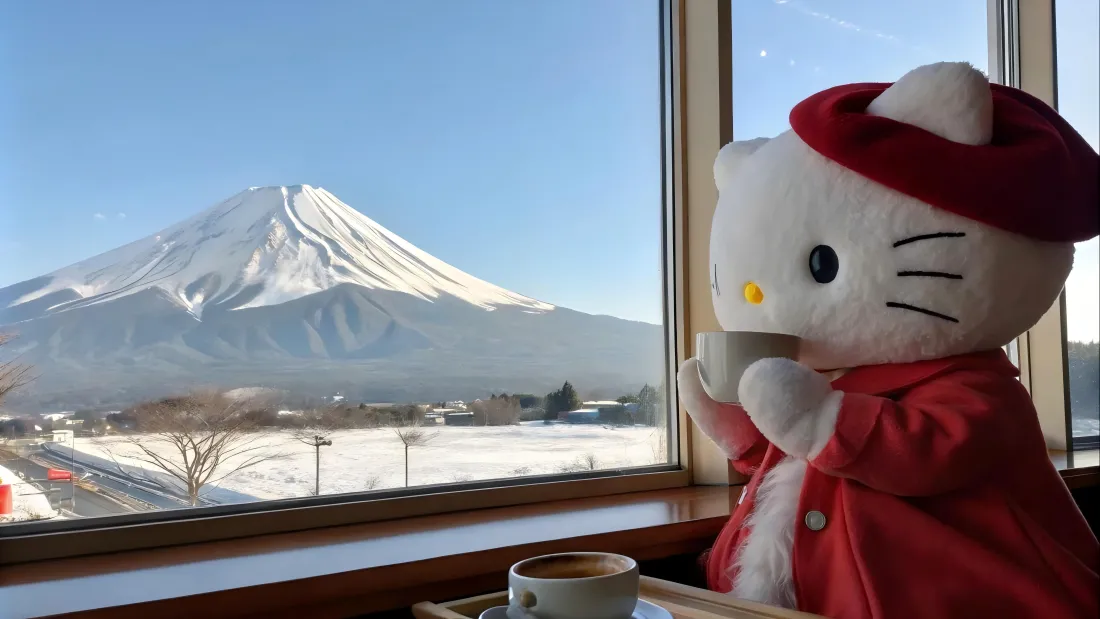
point(824, 264)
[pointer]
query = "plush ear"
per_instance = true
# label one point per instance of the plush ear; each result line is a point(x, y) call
point(950, 99)
point(731, 156)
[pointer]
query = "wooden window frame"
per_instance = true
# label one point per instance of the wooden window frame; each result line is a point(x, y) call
point(695, 77)
point(1043, 352)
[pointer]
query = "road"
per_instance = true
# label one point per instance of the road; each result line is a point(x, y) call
point(88, 503)
point(113, 482)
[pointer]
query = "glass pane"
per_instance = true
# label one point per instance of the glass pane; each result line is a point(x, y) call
point(786, 50)
point(322, 249)
point(1078, 31)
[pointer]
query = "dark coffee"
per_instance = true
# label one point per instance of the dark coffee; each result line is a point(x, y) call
point(562, 567)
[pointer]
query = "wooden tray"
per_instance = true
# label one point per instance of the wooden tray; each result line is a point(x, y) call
point(682, 601)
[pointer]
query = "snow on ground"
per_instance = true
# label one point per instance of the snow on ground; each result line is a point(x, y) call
point(366, 459)
point(28, 502)
point(1084, 426)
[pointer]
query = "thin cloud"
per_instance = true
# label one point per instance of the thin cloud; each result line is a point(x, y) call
point(121, 215)
point(99, 216)
point(840, 23)
point(763, 53)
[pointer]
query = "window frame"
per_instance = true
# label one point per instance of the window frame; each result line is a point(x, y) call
point(1030, 53)
point(32, 541)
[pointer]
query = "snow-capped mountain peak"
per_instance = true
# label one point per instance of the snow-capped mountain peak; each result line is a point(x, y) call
point(264, 246)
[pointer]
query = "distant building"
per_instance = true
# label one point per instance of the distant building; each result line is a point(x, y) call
point(61, 436)
point(458, 404)
point(582, 415)
point(439, 415)
point(458, 419)
point(600, 404)
point(57, 416)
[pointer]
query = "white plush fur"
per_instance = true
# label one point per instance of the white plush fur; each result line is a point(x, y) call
point(764, 559)
point(714, 419)
point(950, 99)
point(792, 405)
point(778, 199)
point(733, 154)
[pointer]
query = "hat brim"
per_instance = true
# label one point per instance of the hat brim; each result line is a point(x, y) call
point(1037, 177)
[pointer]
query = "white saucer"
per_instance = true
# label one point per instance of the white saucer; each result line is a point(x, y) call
point(645, 610)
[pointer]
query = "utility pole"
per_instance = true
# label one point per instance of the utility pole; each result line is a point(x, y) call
point(72, 474)
point(318, 442)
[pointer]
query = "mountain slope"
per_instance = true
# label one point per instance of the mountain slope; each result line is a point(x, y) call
point(289, 287)
point(263, 246)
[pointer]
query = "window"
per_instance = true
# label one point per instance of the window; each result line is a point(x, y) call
point(786, 50)
point(1078, 65)
point(250, 257)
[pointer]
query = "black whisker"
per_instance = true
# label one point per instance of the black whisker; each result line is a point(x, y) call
point(927, 312)
point(923, 237)
point(716, 288)
point(929, 274)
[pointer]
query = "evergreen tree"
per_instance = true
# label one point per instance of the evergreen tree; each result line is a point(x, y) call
point(569, 398)
point(552, 405)
point(562, 400)
point(649, 405)
point(527, 400)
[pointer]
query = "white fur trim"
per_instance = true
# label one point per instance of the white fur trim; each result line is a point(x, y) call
point(793, 406)
point(764, 558)
point(950, 99)
point(714, 419)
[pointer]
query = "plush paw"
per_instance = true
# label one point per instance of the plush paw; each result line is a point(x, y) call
point(726, 424)
point(793, 406)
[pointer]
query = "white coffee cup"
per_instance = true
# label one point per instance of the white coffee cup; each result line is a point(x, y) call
point(573, 585)
point(725, 355)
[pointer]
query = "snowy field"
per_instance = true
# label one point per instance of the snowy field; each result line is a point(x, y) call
point(366, 459)
point(1085, 426)
point(28, 502)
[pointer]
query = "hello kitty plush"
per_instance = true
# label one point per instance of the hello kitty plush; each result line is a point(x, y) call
point(905, 232)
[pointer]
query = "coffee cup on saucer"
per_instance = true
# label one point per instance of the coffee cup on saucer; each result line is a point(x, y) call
point(574, 585)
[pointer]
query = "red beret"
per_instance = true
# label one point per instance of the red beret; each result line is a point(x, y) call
point(1037, 177)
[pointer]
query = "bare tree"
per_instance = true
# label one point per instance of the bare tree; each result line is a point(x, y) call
point(587, 462)
point(412, 436)
point(318, 427)
point(12, 375)
point(199, 439)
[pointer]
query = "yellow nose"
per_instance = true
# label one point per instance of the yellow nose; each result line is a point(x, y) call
point(753, 294)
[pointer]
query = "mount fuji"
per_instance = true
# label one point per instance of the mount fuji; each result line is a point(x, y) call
point(290, 288)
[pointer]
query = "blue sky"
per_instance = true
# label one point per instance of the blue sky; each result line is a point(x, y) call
point(517, 141)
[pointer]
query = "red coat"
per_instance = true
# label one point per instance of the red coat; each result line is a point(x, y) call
point(940, 502)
